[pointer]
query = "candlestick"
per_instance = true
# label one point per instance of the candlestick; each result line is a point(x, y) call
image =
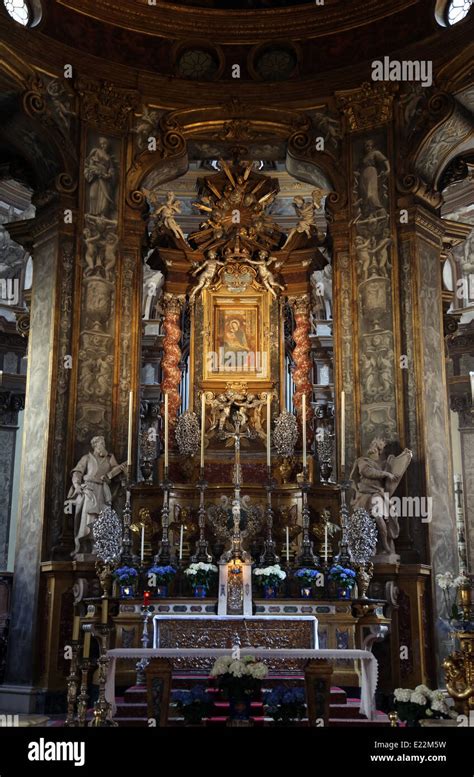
point(326, 543)
point(166, 431)
point(343, 429)
point(181, 533)
point(105, 611)
point(269, 441)
point(142, 544)
point(203, 426)
point(87, 645)
point(304, 431)
point(75, 627)
point(287, 532)
point(130, 428)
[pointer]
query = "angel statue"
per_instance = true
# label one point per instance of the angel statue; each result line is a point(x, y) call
point(266, 276)
point(207, 271)
point(305, 210)
point(165, 212)
point(374, 481)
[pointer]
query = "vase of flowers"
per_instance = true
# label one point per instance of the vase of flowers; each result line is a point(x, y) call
point(344, 580)
point(201, 576)
point(413, 706)
point(240, 680)
point(269, 579)
point(127, 579)
point(160, 578)
point(285, 705)
point(307, 578)
point(193, 704)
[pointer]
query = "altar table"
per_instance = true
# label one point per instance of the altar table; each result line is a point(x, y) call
point(368, 663)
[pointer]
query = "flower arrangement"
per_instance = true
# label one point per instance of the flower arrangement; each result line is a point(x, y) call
point(201, 573)
point(161, 575)
point(126, 575)
point(239, 678)
point(342, 576)
point(307, 576)
point(413, 706)
point(285, 705)
point(271, 575)
point(194, 705)
point(449, 586)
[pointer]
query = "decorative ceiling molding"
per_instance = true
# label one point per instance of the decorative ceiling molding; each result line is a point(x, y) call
point(238, 26)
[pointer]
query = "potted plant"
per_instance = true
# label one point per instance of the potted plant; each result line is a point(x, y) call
point(285, 705)
point(193, 704)
point(201, 576)
point(270, 579)
point(127, 578)
point(308, 579)
point(344, 579)
point(240, 680)
point(160, 578)
point(422, 703)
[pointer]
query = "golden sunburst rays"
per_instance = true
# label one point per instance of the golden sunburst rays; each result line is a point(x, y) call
point(235, 201)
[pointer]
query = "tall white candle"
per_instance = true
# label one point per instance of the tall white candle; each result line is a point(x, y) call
point(326, 543)
point(303, 422)
point(343, 429)
point(203, 426)
point(269, 437)
point(166, 431)
point(181, 533)
point(142, 546)
point(471, 376)
point(130, 428)
point(287, 532)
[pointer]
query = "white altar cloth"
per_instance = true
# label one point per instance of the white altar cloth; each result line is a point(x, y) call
point(275, 618)
point(368, 663)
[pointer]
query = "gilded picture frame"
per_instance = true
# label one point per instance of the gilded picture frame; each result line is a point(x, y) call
point(236, 341)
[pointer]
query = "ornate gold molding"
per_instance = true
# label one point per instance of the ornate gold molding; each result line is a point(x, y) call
point(367, 107)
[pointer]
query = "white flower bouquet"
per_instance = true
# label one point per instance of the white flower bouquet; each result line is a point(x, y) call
point(239, 677)
point(272, 575)
point(201, 573)
point(413, 706)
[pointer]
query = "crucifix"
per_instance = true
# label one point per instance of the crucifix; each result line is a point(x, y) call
point(235, 436)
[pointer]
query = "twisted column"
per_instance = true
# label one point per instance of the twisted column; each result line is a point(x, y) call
point(172, 355)
point(301, 355)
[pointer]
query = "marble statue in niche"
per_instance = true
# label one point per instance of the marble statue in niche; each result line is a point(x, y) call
point(153, 281)
point(375, 479)
point(90, 491)
point(100, 171)
point(371, 176)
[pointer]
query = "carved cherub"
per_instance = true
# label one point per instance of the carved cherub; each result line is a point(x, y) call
point(165, 212)
point(305, 210)
point(207, 272)
point(266, 276)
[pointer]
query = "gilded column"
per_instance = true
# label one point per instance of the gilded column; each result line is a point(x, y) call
point(172, 354)
point(302, 354)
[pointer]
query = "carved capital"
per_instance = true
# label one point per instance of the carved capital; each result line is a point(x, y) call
point(367, 107)
point(105, 105)
point(461, 404)
point(301, 304)
point(172, 304)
